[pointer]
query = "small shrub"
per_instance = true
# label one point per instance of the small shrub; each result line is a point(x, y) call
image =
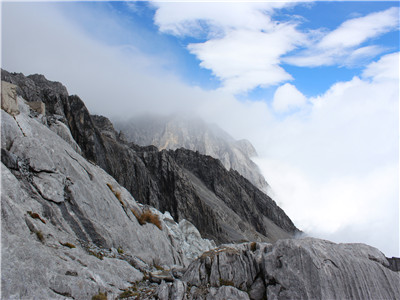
point(39, 235)
point(137, 215)
point(223, 282)
point(69, 245)
point(100, 296)
point(36, 216)
point(148, 217)
point(120, 250)
point(117, 194)
point(97, 254)
point(127, 294)
point(253, 246)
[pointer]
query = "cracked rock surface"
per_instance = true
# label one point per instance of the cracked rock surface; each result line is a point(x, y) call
point(62, 216)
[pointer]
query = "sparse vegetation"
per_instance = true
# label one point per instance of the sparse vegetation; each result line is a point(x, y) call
point(97, 254)
point(253, 246)
point(117, 194)
point(100, 296)
point(127, 294)
point(223, 282)
point(69, 245)
point(147, 217)
point(39, 235)
point(36, 216)
point(120, 250)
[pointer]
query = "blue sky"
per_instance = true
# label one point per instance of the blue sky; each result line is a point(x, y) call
point(133, 24)
point(314, 86)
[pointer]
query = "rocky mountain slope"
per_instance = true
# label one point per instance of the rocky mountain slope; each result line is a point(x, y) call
point(71, 231)
point(224, 207)
point(174, 132)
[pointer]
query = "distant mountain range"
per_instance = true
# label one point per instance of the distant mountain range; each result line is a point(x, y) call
point(174, 131)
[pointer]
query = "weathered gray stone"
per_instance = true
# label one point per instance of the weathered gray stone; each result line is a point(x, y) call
point(317, 269)
point(50, 186)
point(223, 266)
point(178, 290)
point(163, 291)
point(257, 289)
point(63, 131)
point(227, 292)
point(9, 130)
point(9, 102)
point(87, 210)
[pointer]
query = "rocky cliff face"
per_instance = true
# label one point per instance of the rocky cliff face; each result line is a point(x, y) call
point(70, 227)
point(174, 132)
point(71, 231)
point(229, 210)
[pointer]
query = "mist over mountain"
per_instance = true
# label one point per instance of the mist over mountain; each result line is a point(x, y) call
point(177, 131)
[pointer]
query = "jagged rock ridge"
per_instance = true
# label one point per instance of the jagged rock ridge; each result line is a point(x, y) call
point(156, 178)
point(174, 132)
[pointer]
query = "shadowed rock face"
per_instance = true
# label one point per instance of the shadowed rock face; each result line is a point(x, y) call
point(226, 209)
point(174, 132)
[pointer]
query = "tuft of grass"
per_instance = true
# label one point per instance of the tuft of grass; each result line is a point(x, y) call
point(96, 254)
point(120, 250)
point(223, 282)
point(35, 216)
point(117, 194)
point(148, 217)
point(100, 296)
point(69, 245)
point(253, 246)
point(39, 235)
point(127, 294)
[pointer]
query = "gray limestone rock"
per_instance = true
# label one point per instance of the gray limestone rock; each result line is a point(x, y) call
point(226, 265)
point(63, 131)
point(61, 215)
point(296, 269)
point(226, 292)
point(317, 269)
point(9, 130)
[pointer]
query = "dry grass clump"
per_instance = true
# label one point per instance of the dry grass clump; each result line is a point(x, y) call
point(36, 216)
point(116, 193)
point(147, 217)
point(69, 245)
point(40, 235)
point(100, 296)
point(253, 246)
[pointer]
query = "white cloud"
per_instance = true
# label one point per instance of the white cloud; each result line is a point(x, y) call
point(353, 32)
point(192, 18)
point(384, 69)
point(244, 45)
point(342, 45)
point(334, 168)
point(288, 97)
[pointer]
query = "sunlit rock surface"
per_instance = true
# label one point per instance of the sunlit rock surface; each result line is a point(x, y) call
point(62, 216)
